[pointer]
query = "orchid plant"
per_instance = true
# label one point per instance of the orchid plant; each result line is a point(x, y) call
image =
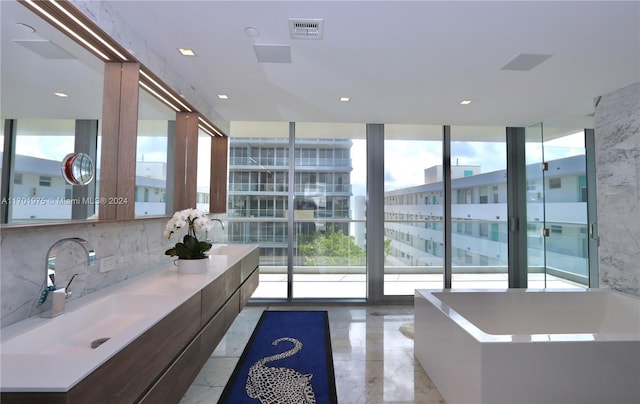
point(193, 221)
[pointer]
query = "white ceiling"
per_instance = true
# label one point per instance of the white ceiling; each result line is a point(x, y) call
point(399, 62)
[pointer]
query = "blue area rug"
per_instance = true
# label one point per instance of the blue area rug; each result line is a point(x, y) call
point(288, 360)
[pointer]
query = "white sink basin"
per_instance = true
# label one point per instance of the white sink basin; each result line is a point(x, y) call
point(53, 355)
point(114, 317)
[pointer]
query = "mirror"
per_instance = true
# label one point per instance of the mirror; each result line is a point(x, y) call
point(154, 157)
point(52, 93)
point(51, 107)
point(77, 169)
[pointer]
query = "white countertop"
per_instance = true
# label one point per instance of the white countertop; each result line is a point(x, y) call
point(53, 355)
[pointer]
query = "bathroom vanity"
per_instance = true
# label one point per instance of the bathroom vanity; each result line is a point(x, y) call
point(142, 340)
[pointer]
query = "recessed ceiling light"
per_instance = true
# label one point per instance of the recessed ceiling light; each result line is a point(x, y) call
point(60, 94)
point(186, 52)
point(345, 99)
point(223, 96)
point(251, 32)
point(465, 102)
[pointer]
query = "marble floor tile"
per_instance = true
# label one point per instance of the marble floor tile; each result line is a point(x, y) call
point(373, 359)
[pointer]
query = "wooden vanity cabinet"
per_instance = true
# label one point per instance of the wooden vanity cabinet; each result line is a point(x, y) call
point(221, 303)
point(124, 377)
point(161, 364)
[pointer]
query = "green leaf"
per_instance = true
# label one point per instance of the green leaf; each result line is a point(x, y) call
point(190, 248)
point(171, 252)
point(331, 248)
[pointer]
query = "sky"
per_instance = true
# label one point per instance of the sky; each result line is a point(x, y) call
point(420, 155)
point(45, 147)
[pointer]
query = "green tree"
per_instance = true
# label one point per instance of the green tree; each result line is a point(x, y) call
point(331, 248)
point(387, 247)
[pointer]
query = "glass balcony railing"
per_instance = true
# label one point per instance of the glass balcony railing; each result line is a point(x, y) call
point(283, 162)
point(299, 189)
point(313, 189)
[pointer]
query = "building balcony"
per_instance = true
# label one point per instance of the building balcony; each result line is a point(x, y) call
point(350, 281)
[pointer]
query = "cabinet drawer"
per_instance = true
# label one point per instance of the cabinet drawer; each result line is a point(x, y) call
point(211, 336)
point(248, 287)
point(231, 310)
point(126, 376)
point(249, 263)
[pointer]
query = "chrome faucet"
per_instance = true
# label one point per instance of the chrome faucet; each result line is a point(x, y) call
point(218, 220)
point(59, 295)
point(213, 219)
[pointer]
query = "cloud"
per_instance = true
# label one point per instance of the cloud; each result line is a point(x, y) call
point(388, 177)
point(463, 151)
point(490, 156)
point(406, 160)
point(45, 147)
point(151, 149)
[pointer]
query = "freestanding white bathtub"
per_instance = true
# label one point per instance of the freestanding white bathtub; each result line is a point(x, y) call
point(530, 346)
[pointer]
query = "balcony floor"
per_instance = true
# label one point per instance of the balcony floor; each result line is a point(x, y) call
point(347, 286)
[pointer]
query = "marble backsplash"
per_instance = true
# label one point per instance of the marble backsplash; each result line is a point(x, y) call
point(617, 141)
point(137, 246)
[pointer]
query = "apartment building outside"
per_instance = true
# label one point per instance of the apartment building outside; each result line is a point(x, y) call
point(259, 186)
point(40, 193)
point(414, 220)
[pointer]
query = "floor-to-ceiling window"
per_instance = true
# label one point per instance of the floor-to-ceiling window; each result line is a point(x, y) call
point(312, 235)
point(258, 198)
point(557, 223)
point(479, 248)
point(413, 209)
point(329, 257)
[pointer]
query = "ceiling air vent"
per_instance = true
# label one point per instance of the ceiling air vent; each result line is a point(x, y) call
point(305, 28)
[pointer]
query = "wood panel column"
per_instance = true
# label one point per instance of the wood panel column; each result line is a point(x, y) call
point(119, 135)
point(186, 161)
point(218, 188)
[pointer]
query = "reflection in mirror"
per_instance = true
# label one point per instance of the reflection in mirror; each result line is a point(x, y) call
point(38, 190)
point(154, 152)
point(204, 171)
point(51, 106)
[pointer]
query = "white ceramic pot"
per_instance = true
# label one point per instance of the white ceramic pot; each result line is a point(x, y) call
point(193, 266)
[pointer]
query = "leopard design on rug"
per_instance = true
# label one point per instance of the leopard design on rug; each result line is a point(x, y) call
point(278, 385)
